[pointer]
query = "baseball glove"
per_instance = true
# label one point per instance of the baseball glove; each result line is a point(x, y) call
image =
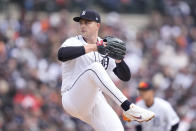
point(114, 48)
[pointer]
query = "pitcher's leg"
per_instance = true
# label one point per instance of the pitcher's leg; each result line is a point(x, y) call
point(79, 100)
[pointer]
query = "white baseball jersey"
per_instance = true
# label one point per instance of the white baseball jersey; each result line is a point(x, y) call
point(73, 68)
point(165, 116)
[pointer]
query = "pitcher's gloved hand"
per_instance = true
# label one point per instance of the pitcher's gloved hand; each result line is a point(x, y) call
point(115, 47)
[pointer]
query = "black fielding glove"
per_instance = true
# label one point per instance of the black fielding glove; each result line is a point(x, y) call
point(115, 47)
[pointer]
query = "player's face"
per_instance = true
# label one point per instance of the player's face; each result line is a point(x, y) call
point(88, 28)
point(146, 95)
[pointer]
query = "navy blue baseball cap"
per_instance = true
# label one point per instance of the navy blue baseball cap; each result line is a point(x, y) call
point(144, 86)
point(88, 15)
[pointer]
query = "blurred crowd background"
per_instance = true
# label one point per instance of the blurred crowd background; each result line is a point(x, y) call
point(31, 32)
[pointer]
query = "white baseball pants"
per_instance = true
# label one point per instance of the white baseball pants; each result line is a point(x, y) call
point(85, 100)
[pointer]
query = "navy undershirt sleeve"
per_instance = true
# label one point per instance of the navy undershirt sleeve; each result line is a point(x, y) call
point(69, 53)
point(122, 71)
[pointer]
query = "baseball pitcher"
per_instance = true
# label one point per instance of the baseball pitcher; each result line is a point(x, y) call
point(85, 59)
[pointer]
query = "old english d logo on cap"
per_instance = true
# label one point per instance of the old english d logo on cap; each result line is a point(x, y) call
point(83, 12)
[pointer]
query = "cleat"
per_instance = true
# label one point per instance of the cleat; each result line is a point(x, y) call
point(136, 113)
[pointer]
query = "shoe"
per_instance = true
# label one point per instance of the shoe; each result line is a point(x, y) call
point(136, 113)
